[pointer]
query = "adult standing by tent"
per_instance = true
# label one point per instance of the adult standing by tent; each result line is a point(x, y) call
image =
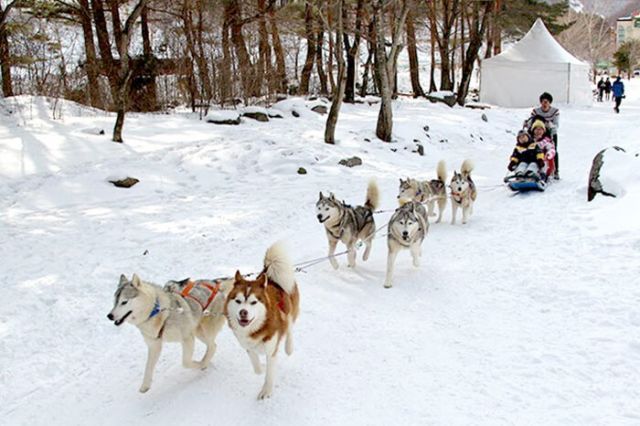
point(618, 93)
point(607, 89)
point(551, 117)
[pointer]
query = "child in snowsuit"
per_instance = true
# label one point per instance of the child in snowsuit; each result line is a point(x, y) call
point(545, 144)
point(527, 159)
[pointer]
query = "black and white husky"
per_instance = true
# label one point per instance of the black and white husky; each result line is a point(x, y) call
point(463, 192)
point(428, 191)
point(348, 224)
point(407, 229)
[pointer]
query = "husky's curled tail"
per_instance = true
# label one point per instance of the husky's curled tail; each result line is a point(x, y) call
point(373, 195)
point(442, 171)
point(278, 267)
point(466, 168)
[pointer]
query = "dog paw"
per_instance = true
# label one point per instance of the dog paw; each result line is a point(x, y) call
point(144, 388)
point(259, 369)
point(264, 393)
point(388, 285)
point(416, 263)
point(334, 264)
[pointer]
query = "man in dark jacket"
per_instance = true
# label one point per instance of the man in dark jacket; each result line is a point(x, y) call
point(618, 93)
point(600, 87)
point(607, 89)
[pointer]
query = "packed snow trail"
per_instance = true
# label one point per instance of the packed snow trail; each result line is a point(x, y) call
point(526, 315)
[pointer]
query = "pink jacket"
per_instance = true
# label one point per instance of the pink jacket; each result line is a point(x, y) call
point(547, 147)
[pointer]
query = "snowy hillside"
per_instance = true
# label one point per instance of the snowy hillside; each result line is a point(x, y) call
point(529, 314)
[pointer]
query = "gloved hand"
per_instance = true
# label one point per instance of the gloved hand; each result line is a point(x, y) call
point(549, 155)
point(512, 166)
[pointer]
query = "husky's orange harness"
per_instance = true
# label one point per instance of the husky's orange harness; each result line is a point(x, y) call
point(186, 292)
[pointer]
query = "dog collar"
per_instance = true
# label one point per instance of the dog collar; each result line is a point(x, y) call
point(156, 310)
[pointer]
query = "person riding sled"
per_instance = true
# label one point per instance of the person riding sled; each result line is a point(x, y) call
point(551, 117)
point(527, 158)
point(541, 138)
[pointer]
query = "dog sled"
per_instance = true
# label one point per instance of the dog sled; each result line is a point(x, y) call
point(534, 177)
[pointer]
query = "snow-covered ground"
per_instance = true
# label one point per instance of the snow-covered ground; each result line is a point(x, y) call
point(529, 314)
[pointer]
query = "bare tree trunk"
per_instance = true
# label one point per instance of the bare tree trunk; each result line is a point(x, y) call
point(384, 126)
point(414, 67)
point(332, 118)
point(367, 65)
point(5, 56)
point(91, 67)
point(191, 37)
point(352, 52)
point(225, 68)
point(124, 74)
point(319, 67)
point(396, 47)
point(279, 52)
point(477, 28)
point(311, 48)
point(104, 45)
point(497, 31)
point(432, 67)
point(264, 63)
point(240, 47)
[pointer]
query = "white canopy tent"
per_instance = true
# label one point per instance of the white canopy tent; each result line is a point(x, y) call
point(535, 64)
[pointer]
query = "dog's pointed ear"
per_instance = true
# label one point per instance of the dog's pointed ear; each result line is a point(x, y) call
point(265, 281)
point(332, 196)
point(401, 181)
point(135, 281)
point(238, 276)
point(321, 196)
point(123, 280)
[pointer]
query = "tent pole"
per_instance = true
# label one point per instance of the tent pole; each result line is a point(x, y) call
point(569, 83)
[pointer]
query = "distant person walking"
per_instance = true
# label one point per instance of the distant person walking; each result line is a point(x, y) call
point(607, 89)
point(600, 87)
point(618, 93)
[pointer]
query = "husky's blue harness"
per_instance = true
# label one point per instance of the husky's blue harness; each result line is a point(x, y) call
point(156, 310)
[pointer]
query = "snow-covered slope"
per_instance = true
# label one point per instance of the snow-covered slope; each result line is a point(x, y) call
point(528, 314)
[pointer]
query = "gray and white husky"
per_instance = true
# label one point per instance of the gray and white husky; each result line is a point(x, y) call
point(428, 191)
point(348, 224)
point(407, 229)
point(163, 315)
point(463, 192)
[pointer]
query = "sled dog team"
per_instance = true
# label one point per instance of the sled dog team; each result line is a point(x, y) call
point(408, 225)
point(261, 312)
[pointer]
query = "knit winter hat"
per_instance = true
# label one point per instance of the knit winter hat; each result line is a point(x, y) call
point(525, 133)
point(538, 123)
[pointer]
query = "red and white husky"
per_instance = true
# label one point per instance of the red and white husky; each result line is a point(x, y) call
point(262, 312)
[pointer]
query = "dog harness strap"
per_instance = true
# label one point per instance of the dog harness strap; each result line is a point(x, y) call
point(213, 289)
point(281, 302)
point(156, 309)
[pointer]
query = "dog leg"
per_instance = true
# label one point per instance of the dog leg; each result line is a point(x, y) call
point(430, 208)
point(415, 253)
point(465, 214)
point(187, 353)
point(454, 210)
point(367, 247)
point(442, 204)
point(351, 255)
point(288, 344)
point(391, 258)
point(255, 362)
point(155, 347)
point(208, 335)
point(267, 388)
point(332, 250)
